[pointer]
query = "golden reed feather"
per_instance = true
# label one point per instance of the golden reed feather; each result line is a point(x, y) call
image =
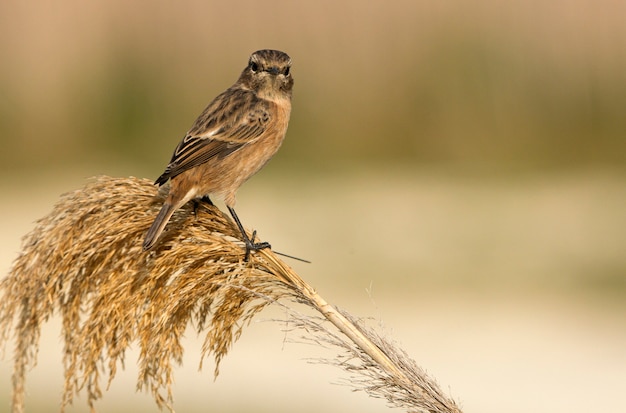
point(85, 261)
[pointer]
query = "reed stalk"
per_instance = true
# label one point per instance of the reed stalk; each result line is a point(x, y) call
point(85, 261)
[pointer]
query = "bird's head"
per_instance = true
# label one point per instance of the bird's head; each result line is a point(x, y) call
point(268, 73)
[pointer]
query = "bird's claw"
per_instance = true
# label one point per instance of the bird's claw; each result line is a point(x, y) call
point(254, 246)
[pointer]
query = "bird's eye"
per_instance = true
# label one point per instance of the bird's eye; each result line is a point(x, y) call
point(287, 71)
point(254, 66)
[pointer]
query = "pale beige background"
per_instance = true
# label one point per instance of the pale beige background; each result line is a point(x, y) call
point(455, 171)
point(494, 287)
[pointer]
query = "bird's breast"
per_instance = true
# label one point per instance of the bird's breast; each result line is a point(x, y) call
point(262, 150)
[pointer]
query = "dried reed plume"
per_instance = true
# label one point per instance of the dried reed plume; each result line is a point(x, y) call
point(85, 261)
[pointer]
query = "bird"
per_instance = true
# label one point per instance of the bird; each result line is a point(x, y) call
point(231, 140)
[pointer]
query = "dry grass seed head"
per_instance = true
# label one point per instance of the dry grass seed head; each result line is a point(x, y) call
point(85, 259)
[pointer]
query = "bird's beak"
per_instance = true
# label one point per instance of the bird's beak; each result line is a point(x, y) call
point(273, 70)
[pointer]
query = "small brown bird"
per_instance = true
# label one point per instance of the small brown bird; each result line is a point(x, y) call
point(231, 140)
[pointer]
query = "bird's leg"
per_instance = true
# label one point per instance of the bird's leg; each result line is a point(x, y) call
point(250, 244)
point(206, 200)
point(197, 201)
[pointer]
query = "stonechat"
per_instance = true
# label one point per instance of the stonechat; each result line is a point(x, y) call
point(233, 138)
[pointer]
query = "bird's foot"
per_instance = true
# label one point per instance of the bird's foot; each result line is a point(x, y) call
point(254, 246)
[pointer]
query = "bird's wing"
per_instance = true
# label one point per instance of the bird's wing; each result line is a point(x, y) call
point(234, 119)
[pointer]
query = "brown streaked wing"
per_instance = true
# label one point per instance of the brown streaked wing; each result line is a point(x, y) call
point(238, 128)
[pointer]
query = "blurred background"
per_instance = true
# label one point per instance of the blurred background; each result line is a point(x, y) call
point(456, 170)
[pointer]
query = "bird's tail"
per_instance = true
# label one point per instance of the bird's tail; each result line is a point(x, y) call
point(157, 226)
